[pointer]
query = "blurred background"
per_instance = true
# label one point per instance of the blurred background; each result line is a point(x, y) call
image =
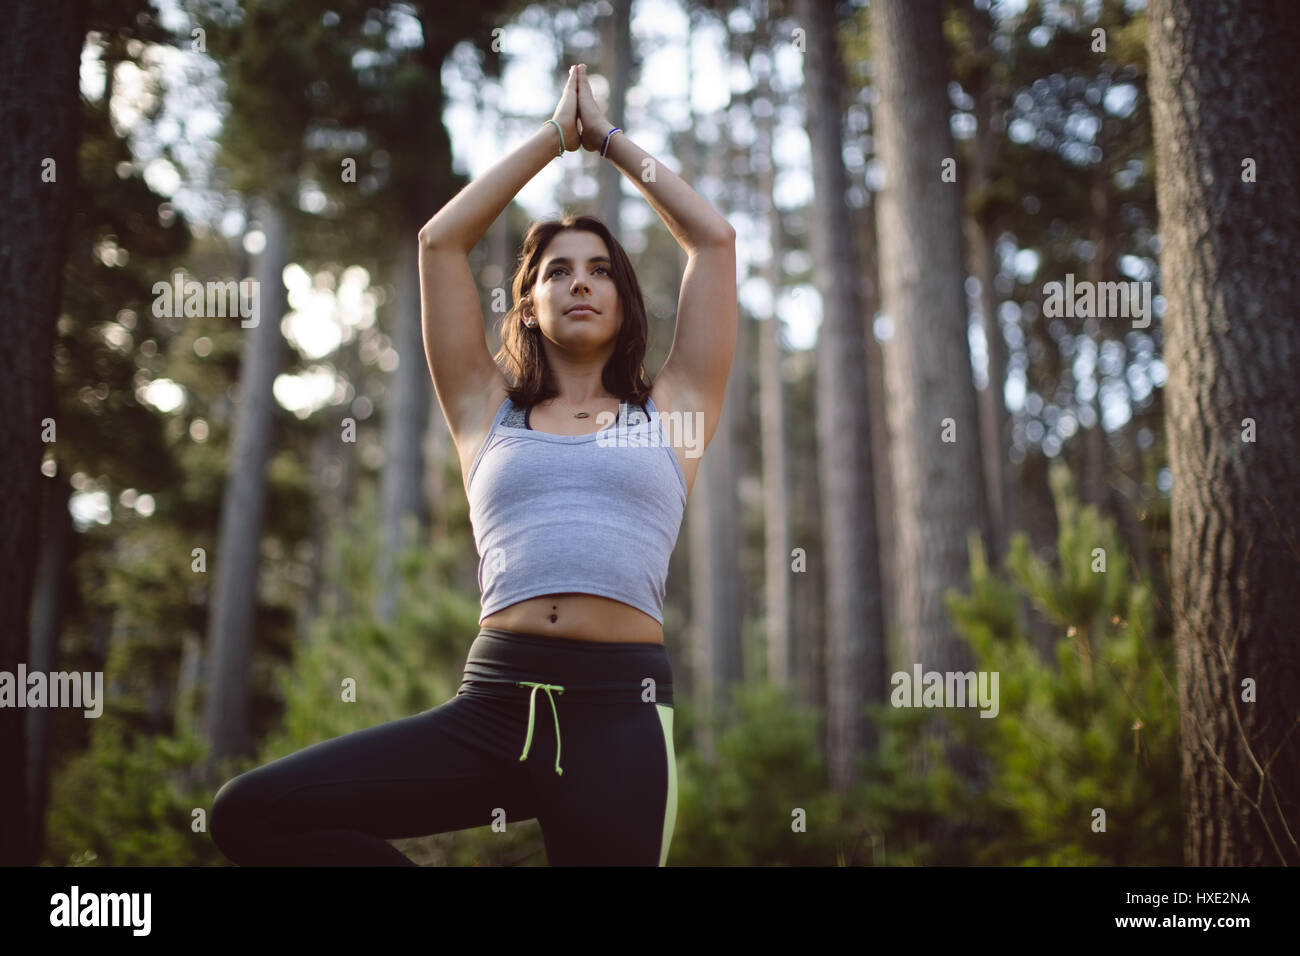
point(238, 518)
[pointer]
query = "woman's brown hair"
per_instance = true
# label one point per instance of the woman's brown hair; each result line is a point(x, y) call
point(521, 352)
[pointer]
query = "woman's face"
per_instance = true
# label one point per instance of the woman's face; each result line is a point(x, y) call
point(576, 271)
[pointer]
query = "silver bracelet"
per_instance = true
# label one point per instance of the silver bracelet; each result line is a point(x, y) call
point(561, 132)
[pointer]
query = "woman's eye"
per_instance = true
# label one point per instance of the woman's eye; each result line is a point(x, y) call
point(558, 269)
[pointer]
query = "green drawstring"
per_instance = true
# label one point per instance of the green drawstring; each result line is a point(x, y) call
point(532, 700)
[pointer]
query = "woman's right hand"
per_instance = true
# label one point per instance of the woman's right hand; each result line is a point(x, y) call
point(595, 127)
point(566, 114)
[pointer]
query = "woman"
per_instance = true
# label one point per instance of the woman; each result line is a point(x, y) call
point(574, 522)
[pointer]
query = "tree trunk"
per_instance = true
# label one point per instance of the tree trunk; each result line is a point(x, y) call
point(232, 612)
point(995, 420)
point(938, 486)
point(40, 124)
point(48, 602)
point(333, 462)
point(715, 537)
point(618, 69)
point(403, 510)
point(715, 597)
point(855, 649)
point(878, 420)
point(776, 515)
point(1223, 78)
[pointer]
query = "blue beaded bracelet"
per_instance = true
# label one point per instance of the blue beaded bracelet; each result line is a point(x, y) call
point(605, 144)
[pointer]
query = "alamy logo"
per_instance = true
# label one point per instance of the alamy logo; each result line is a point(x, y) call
point(102, 909)
point(60, 689)
point(946, 689)
point(675, 429)
point(1098, 300)
point(192, 299)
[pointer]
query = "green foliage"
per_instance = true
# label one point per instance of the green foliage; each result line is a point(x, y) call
point(740, 809)
point(131, 801)
point(914, 804)
point(1094, 726)
point(399, 669)
point(129, 798)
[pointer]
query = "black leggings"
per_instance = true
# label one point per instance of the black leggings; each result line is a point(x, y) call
point(604, 791)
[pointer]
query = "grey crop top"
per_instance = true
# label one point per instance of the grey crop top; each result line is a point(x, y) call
point(592, 514)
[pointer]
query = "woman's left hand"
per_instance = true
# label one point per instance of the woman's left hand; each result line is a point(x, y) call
point(593, 122)
point(566, 113)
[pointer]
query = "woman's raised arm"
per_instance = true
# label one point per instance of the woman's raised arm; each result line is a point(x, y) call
point(688, 216)
point(461, 223)
point(451, 317)
point(693, 379)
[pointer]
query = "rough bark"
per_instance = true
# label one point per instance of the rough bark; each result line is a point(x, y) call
point(855, 640)
point(40, 120)
point(1223, 79)
point(938, 485)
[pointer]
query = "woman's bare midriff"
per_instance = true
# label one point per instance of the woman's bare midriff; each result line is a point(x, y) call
point(582, 617)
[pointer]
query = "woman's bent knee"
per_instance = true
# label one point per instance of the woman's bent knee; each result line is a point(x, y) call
point(231, 820)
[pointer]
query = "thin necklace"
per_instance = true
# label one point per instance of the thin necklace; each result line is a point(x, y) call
point(575, 414)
